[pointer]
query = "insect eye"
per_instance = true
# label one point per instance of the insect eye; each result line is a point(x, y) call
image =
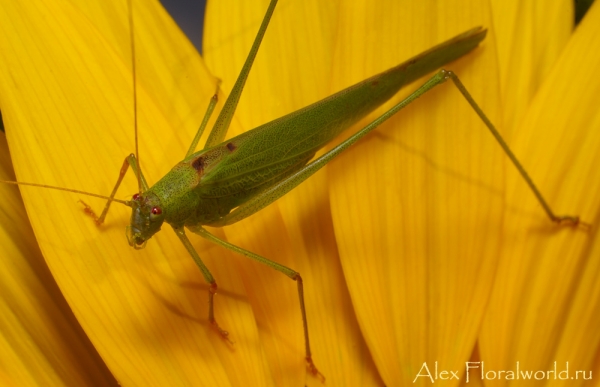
point(136, 197)
point(156, 211)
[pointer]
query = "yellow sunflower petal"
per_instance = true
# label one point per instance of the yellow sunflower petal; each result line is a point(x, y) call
point(66, 96)
point(416, 206)
point(531, 36)
point(545, 303)
point(42, 343)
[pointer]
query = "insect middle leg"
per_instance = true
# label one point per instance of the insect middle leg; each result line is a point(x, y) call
point(272, 264)
point(208, 277)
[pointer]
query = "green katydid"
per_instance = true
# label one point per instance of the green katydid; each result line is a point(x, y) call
point(234, 196)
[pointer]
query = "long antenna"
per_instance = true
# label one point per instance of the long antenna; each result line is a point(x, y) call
point(135, 118)
point(66, 190)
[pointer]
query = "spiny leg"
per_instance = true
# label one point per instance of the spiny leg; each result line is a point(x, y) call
point(129, 161)
point(276, 191)
point(212, 290)
point(280, 268)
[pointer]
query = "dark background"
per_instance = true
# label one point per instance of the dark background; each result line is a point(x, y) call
point(189, 14)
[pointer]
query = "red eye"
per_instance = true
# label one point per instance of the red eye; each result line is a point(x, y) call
point(136, 197)
point(156, 211)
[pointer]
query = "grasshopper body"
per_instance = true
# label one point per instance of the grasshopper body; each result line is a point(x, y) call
point(204, 187)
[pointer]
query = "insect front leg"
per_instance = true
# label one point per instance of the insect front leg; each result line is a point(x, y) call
point(208, 277)
point(272, 264)
point(130, 161)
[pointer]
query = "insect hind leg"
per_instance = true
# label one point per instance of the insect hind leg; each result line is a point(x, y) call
point(559, 219)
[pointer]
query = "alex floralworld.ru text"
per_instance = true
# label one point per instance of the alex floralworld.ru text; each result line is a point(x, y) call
point(477, 370)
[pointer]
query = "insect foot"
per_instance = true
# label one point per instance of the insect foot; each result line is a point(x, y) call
point(572, 221)
point(89, 212)
point(312, 369)
point(211, 318)
point(222, 332)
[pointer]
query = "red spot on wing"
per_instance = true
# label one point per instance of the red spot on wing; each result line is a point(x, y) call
point(198, 164)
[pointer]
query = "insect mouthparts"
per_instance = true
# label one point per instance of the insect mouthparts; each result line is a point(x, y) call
point(134, 239)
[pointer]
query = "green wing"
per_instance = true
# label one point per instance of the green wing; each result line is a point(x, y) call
point(261, 157)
